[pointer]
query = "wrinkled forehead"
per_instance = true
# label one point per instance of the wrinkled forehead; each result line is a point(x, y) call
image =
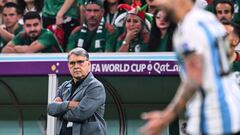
point(32, 21)
point(92, 6)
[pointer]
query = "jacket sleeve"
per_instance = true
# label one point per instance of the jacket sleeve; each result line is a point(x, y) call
point(57, 109)
point(93, 100)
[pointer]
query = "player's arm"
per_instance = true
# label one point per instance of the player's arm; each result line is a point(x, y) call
point(158, 120)
point(194, 66)
point(32, 48)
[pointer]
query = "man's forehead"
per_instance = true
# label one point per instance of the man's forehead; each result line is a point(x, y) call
point(93, 6)
point(31, 21)
point(9, 9)
point(74, 56)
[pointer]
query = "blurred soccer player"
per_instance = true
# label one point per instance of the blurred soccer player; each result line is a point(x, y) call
point(211, 96)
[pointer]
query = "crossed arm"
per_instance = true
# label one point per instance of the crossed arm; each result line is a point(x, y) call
point(78, 110)
point(32, 48)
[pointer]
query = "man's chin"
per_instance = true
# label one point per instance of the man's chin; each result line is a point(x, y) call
point(33, 36)
point(92, 23)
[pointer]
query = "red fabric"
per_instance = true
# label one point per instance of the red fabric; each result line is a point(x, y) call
point(238, 56)
point(58, 32)
point(141, 14)
point(209, 1)
point(125, 6)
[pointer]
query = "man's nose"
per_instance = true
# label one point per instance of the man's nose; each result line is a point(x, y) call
point(32, 28)
point(92, 13)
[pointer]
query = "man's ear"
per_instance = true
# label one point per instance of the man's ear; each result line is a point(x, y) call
point(19, 16)
point(103, 11)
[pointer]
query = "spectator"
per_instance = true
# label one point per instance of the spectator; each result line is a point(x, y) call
point(233, 35)
point(80, 103)
point(110, 14)
point(31, 5)
point(161, 32)
point(64, 13)
point(2, 3)
point(137, 25)
point(151, 8)
point(34, 38)
point(11, 14)
point(92, 34)
point(224, 10)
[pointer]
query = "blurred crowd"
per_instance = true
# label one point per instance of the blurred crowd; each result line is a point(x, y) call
point(32, 26)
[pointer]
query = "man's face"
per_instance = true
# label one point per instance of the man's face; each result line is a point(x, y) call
point(93, 14)
point(170, 6)
point(161, 19)
point(223, 11)
point(10, 17)
point(33, 27)
point(133, 22)
point(232, 37)
point(78, 66)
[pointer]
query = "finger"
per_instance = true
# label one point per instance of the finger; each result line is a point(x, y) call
point(145, 130)
point(144, 116)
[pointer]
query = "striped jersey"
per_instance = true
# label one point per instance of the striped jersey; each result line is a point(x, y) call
point(215, 107)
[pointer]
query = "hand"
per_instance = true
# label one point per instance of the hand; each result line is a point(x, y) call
point(59, 20)
point(58, 99)
point(73, 104)
point(157, 122)
point(110, 28)
point(2, 26)
point(9, 49)
point(21, 48)
point(131, 34)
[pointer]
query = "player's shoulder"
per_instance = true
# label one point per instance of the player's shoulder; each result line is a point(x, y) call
point(197, 15)
point(197, 18)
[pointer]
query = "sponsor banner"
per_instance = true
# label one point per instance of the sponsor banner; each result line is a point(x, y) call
point(108, 68)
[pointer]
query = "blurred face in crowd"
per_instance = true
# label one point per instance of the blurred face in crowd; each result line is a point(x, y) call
point(133, 22)
point(93, 14)
point(6, 1)
point(3, 2)
point(33, 27)
point(232, 37)
point(79, 66)
point(161, 19)
point(151, 6)
point(10, 17)
point(223, 11)
point(174, 7)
